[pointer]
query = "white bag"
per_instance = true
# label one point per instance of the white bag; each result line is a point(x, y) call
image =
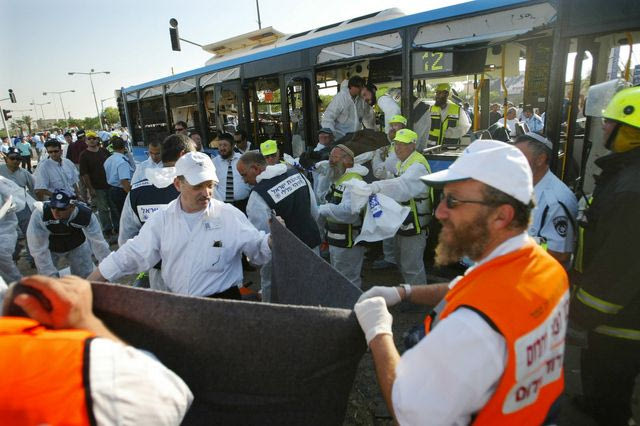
point(386, 224)
point(359, 192)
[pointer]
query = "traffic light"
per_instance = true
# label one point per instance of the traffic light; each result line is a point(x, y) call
point(173, 34)
point(5, 113)
point(12, 96)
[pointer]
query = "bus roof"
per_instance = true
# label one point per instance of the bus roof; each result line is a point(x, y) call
point(462, 9)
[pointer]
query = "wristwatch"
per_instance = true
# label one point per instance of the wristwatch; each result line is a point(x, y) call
point(407, 291)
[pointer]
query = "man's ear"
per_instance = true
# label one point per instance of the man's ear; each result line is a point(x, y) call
point(503, 216)
point(176, 183)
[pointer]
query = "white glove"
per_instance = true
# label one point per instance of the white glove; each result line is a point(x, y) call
point(374, 318)
point(374, 187)
point(391, 295)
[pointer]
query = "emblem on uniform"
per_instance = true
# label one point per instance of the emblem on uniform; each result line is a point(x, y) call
point(59, 197)
point(561, 223)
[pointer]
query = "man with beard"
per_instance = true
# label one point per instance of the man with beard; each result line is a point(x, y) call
point(286, 191)
point(231, 188)
point(447, 123)
point(341, 225)
point(200, 240)
point(494, 343)
point(406, 189)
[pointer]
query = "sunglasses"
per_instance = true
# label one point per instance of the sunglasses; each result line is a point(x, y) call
point(55, 151)
point(178, 129)
point(60, 209)
point(452, 202)
point(14, 158)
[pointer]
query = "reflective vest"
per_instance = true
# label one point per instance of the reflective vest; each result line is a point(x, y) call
point(439, 126)
point(420, 206)
point(65, 236)
point(341, 234)
point(45, 374)
point(524, 296)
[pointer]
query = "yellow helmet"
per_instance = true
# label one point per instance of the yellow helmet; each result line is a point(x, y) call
point(406, 136)
point(268, 147)
point(442, 87)
point(398, 119)
point(624, 108)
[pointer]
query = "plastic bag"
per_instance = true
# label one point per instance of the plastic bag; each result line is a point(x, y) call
point(389, 216)
point(359, 192)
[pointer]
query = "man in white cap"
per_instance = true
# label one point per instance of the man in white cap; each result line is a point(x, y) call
point(554, 217)
point(199, 239)
point(494, 343)
point(407, 189)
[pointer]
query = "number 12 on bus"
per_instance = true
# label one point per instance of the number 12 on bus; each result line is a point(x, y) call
point(432, 63)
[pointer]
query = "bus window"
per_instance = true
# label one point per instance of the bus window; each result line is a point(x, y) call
point(297, 91)
point(265, 110)
point(184, 107)
point(210, 108)
point(228, 110)
point(153, 119)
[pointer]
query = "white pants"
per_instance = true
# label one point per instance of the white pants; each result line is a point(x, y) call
point(389, 249)
point(410, 257)
point(8, 268)
point(79, 260)
point(348, 261)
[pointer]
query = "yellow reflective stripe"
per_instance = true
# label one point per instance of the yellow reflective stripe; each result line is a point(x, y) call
point(580, 250)
point(598, 304)
point(622, 333)
point(544, 245)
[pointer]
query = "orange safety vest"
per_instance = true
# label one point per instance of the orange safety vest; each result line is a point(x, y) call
point(524, 295)
point(45, 377)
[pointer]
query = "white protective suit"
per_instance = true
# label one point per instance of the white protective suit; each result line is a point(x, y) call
point(79, 258)
point(11, 201)
point(389, 108)
point(409, 250)
point(346, 114)
point(384, 168)
point(259, 213)
point(347, 261)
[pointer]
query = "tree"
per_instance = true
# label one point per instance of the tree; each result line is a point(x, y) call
point(91, 123)
point(27, 120)
point(74, 122)
point(111, 115)
point(17, 125)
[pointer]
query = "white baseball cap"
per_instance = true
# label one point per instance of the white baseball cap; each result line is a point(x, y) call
point(494, 163)
point(539, 138)
point(196, 167)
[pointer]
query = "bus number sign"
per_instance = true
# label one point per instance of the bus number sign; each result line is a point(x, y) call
point(432, 63)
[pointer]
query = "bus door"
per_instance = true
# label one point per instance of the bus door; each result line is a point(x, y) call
point(300, 127)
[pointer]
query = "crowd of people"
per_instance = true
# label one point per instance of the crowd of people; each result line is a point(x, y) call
point(190, 221)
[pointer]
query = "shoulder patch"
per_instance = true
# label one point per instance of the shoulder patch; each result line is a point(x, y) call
point(561, 223)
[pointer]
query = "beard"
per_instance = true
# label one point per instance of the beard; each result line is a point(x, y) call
point(465, 239)
point(335, 172)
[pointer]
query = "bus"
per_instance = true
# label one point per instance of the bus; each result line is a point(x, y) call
point(276, 86)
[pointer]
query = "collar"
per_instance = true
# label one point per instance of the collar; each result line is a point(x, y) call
point(272, 171)
point(358, 169)
point(546, 179)
point(508, 246)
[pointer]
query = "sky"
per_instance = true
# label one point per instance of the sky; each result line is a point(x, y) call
point(43, 40)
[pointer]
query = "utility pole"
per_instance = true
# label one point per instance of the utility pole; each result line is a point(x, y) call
point(258, 8)
point(90, 73)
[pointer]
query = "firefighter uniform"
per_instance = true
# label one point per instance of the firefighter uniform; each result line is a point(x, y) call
point(407, 189)
point(607, 300)
point(342, 227)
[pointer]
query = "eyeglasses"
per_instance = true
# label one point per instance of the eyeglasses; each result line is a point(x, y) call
point(60, 209)
point(452, 202)
point(179, 129)
point(55, 151)
point(13, 158)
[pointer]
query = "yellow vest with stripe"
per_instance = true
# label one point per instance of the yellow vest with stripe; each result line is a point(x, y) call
point(420, 206)
point(341, 234)
point(439, 126)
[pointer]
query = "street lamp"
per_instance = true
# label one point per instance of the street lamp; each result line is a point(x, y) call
point(102, 105)
point(90, 73)
point(40, 105)
point(64, 114)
